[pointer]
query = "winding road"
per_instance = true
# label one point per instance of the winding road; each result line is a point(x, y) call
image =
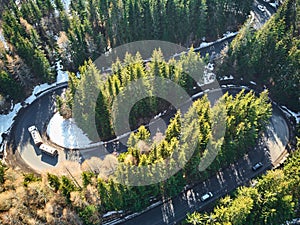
point(271, 147)
point(23, 153)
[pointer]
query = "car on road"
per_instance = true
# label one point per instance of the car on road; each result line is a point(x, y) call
point(206, 196)
point(261, 8)
point(257, 166)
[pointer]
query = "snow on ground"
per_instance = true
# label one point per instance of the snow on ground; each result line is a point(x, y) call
point(205, 44)
point(62, 76)
point(295, 115)
point(66, 133)
point(210, 66)
point(225, 36)
point(197, 95)
point(230, 77)
point(37, 90)
point(112, 213)
point(229, 34)
point(273, 5)
point(2, 39)
point(7, 120)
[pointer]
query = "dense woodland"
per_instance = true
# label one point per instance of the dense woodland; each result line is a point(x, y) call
point(53, 199)
point(112, 86)
point(270, 56)
point(41, 33)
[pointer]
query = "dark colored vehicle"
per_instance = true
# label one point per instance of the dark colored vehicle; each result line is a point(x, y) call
point(257, 166)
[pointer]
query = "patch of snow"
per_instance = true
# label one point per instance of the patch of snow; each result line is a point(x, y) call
point(66, 4)
point(62, 76)
point(293, 221)
point(273, 5)
point(245, 87)
point(210, 66)
point(157, 116)
point(225, 36)
point(41, 88)
point(205, 44)
point(30, 99)
point(38, 90)
point(7, 120)
point(2, 39)
point(65, 133)
point(295, 115)
point(229, 34)
point(178, 55)
point(112, 213)
point(230, 77)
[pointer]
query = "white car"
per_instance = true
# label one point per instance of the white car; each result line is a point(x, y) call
point(206, 196)
point(261, 8)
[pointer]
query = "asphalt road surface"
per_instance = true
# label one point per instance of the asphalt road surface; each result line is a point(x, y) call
point(38, 113)
point(41, 111)
point(270, 147)
point(172, 211)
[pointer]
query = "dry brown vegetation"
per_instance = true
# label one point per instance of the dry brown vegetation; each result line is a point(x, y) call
point(35, 204)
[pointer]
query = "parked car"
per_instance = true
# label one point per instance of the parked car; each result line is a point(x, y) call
point(261, 8)
point(206, 196)
point(257, 166)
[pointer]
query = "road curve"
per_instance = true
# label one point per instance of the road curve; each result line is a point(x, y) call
point(38, 113)
point(174, 210)
point(271, 146)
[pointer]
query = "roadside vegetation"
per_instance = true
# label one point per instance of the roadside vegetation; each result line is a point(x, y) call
point(109, 86)
point(52, 199)
point(270, 56)
point(39, 33)
point(273, 200)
